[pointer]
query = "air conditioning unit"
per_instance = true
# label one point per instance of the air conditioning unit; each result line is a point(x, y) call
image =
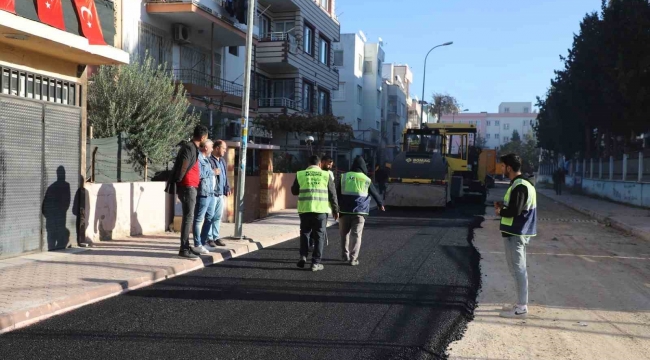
point(182, 33)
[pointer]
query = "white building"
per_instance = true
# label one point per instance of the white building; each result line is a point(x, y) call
point(497, 128)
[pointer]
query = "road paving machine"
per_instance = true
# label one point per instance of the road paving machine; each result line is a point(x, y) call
point(438, 163)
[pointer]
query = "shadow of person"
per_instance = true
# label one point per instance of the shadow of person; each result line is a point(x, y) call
point(55, 210)
point(79, 209)
point(105, 212)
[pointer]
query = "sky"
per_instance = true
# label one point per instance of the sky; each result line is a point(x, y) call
point(504, 50)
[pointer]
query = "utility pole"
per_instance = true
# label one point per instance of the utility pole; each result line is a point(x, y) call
point(239, 203)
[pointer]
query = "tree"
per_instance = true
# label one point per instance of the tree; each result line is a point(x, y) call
point(526, 149)
point(515, 136)
point(143, 101)
point(443, 104)
point(600, 100)
point(480, 142)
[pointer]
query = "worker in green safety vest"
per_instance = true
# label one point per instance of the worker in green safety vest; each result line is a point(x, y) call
point(316, 198)
point(518, 213)
point(354, 192)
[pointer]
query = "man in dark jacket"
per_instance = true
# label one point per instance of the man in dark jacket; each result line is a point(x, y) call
point(354, 192)
point(184, 180)
point(316, 198)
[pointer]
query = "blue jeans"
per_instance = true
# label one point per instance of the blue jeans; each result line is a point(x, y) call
point(516, 257)
point(203, 204)
point(213, 219)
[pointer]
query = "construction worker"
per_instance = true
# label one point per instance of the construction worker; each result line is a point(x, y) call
point(326, 164)
point(518, 213)
point(316, 198)
point(354, 191)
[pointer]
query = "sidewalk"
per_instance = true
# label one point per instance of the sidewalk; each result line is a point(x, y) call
point(633, 220)
point(35, 287)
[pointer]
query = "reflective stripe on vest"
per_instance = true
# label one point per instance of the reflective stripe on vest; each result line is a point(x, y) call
point(355, 184)
point(526, 223)
point(313, 197)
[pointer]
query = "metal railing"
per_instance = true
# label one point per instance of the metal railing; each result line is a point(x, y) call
point(277, 102)
point(196, 77)
point(280, 36)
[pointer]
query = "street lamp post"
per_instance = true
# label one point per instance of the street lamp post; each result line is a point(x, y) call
point(453, 115)
point(424, 76)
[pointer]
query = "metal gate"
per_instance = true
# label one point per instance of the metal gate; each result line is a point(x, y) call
point(39, 169)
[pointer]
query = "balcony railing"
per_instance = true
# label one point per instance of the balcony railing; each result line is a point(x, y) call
point(195, 77)
point(277, 102)
point(284, 37)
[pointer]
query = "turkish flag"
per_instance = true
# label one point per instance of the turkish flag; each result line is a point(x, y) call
point(8, 5)
point(51, 12)
point(89, 21)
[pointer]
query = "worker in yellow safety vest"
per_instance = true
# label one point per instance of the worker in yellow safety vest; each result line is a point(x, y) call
point(316, 199)
point(518, 213)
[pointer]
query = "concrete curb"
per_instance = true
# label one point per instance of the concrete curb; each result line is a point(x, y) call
point(21, 318)
point(616, 224)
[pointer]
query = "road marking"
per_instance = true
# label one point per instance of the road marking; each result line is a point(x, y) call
point(583, 256)
point(587, 259)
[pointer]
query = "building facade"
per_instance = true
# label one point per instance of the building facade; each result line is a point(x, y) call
point(43, 92)
point(497, 128)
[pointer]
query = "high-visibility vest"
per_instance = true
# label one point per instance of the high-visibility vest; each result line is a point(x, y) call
point(313, 197)
point(355, 185)
point(526, 223)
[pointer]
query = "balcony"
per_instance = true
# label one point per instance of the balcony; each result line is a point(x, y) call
point(276, 51)
point(200, 84)
point(279, 105)
point(200, 15)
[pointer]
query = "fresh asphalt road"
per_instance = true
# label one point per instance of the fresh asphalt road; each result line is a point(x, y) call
point(411, 295)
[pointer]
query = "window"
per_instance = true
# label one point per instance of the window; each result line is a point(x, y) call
point(506, 110)
point(324, 52)
point(378, 125)
point(487, 136)
point(338, 57)
point(526, 110)
point(308, 40)
point(284, 88)
point(488, 123)
point(379, 66)
point(360, 63)
point(496, 123)
point(285, 27)
point(307, 96)
point(340, 93)
point(264, 25)
point(323, 102)
point(506, 139)
point(506, 126)
point(359, 94)
point(496, 136)
point(325, 4)
point(233, 50)
point(378, 98)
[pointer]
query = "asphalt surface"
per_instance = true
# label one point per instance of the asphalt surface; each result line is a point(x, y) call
point(412, 294)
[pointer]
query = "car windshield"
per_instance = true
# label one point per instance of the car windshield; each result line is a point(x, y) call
point(422, 143)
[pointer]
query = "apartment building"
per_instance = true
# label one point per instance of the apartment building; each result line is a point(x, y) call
point(294, 59)
point(398, 79)
point(43, 92)
point(497, 128)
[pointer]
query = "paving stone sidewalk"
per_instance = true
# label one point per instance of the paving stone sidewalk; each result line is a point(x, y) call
point(633, 220)
point(38, 286)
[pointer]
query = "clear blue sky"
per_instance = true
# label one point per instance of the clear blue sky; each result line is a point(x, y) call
point(504, 50)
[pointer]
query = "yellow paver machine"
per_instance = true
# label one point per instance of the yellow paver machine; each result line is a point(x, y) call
point(438, 163)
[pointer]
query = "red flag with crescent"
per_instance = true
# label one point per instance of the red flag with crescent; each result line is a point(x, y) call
point(51, 12)
point(8, 5)
point(89, 21)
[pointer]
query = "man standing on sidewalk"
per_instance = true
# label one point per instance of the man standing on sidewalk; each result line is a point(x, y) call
point(184, 181)
point(205, 197)
point(354, 191)
point(316, 198)
point(221, 190)
point(518, 213)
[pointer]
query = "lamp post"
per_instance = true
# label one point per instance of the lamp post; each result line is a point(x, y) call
point(424, 74)
point(453, 115)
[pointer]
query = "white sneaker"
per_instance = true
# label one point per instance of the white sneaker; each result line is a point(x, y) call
point(517, 312)
point(508, 307)
point(201, 250)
